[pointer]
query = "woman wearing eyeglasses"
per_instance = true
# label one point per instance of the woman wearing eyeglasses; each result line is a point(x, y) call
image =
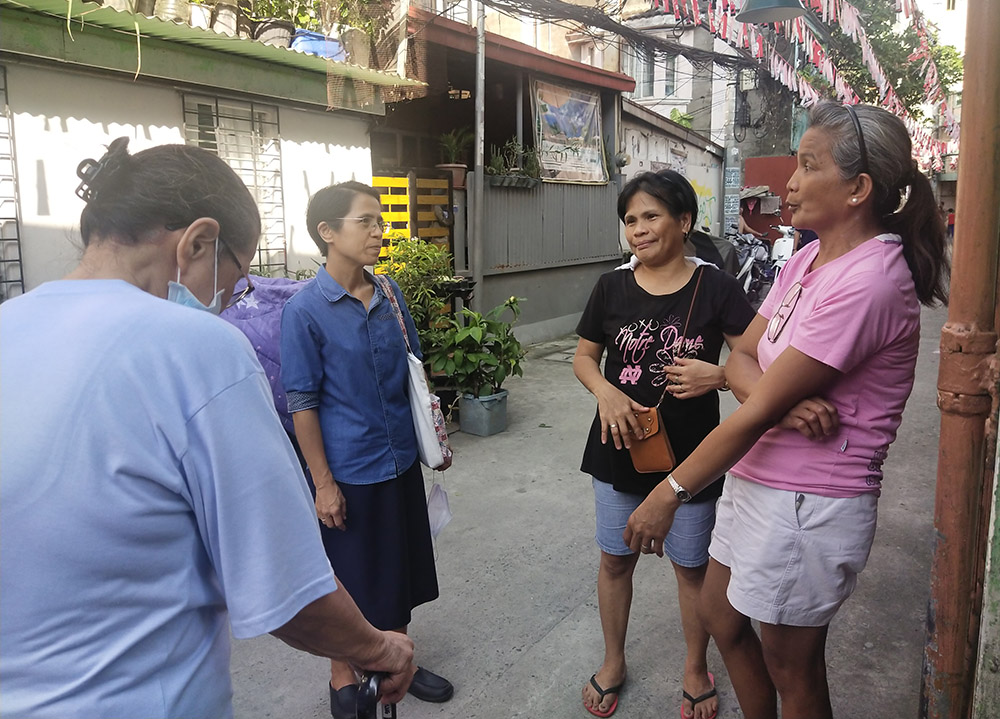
point(151, 504)
point(824, 372)
point(344, 368)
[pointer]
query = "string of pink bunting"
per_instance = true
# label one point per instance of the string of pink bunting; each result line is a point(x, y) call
point(720, 18)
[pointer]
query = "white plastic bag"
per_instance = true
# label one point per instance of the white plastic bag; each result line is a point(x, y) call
point(438, 511)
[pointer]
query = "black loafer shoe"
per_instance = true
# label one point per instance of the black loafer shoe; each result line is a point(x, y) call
point(429, 687)
point(343, 702)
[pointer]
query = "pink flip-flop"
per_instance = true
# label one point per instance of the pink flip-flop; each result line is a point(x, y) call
point(695, 701)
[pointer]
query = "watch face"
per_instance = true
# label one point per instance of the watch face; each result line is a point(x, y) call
point(683, 495)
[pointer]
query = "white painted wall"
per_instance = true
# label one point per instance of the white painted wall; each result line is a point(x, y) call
point(317, 149)
point(61, 117)
point(652, 149)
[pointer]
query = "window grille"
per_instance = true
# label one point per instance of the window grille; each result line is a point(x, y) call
point(247, 137)
point(11, 278)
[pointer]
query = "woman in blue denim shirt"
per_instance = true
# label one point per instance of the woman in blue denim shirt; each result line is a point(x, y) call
point(343, 364)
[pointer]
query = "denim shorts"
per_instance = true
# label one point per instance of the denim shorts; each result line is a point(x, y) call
point(794, 557)
point(687, 542)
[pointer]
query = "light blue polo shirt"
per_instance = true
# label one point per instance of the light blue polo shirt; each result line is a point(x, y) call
point(149, 502)
point(349, 363)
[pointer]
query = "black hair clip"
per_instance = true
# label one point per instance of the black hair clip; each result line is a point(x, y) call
point(95, 172)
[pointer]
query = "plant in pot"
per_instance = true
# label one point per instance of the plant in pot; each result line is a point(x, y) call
point(200, 13)
point(478, 352)
point(275, 20)
point(454, 145)
point(514, 165)
point(360, 24)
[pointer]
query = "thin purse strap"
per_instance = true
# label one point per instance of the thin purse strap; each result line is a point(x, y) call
point(391, 296)
point(687, 322)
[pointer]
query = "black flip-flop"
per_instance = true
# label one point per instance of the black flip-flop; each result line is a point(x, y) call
point(695, 701)
point(616, 690)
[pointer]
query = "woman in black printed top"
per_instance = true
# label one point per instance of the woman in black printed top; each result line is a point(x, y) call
point(637, 315)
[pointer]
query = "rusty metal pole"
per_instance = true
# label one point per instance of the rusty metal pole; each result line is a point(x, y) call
point(967, 387)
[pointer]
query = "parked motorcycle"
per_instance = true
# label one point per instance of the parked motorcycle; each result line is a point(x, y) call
point(756, 271)
point(783, 247)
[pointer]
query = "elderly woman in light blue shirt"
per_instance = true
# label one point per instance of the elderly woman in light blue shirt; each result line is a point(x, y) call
point(344, 368)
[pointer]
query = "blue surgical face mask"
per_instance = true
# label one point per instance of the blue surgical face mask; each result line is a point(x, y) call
point(179, 293)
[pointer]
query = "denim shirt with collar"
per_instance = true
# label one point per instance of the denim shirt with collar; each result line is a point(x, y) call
point(349, 363)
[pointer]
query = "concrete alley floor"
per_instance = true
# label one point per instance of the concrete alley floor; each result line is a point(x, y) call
point(516, 628)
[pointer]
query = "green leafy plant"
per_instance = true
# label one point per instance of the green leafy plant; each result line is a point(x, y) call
point(478, 352)
point(370, 16)
point(306, 14)
point(532, 163)
point(681, 118)
point(423, 271)
point(514, 159)
point(455, 143)
point(496, 164)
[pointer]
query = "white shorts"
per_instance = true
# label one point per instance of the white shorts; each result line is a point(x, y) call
point(794, 557)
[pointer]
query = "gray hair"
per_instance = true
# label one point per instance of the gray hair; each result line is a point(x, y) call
point(902, 198)
point(889, 150)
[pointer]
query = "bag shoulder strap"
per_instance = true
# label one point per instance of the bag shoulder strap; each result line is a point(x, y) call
point(386, 286)
point(697, 285)
point(687, 322)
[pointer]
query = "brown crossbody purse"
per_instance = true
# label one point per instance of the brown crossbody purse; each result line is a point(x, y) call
point(652, 451)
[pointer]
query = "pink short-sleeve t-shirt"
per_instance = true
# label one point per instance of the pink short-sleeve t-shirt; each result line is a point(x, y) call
point(860, 315)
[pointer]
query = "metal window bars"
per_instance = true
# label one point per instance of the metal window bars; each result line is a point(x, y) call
point(11, 277)
point(247, 136)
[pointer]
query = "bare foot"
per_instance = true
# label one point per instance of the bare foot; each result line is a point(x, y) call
point(607, 678)
point(696, 686)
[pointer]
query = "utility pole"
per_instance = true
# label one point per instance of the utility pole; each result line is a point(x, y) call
point(476, 254)
point(967, 394)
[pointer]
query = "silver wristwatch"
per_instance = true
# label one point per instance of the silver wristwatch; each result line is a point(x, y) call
point(683, 495)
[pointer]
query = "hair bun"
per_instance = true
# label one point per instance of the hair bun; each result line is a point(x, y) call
point(95, 173)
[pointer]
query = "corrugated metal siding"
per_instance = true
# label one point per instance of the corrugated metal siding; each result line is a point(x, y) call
point(549, 226)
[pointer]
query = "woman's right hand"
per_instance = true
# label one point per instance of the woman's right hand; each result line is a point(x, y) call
point(617, 411)
point(331, 508)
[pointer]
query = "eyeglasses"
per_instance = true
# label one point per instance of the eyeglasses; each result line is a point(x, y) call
point(367, 221)
point(861, 138)
point(784, 311)
point(237, 296)
point(173, 227)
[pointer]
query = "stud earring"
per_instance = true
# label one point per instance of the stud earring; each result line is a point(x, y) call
point(854, 199)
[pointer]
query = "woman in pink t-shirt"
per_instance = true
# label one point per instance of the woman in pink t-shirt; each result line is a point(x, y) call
point(823, 372)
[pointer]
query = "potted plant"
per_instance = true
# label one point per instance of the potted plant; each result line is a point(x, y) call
point(514, 165)
point(275, 20)
point(172, 10)
point(453, 146)
point(226, 18)
point(478, 352)
point(200, 12)
point(360, 24)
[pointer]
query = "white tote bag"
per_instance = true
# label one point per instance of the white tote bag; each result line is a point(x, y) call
point(425, 407)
